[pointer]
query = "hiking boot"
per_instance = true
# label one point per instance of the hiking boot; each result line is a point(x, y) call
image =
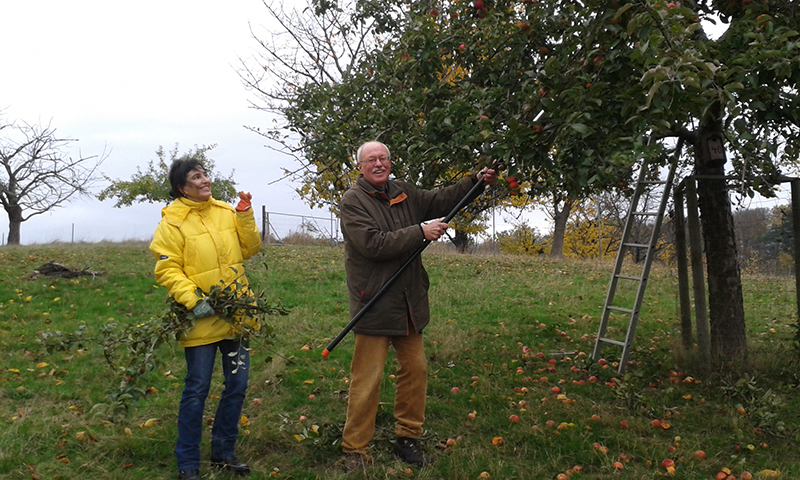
point(356, 461)
point(408, 450)
point(189, 475)
point(231, 464)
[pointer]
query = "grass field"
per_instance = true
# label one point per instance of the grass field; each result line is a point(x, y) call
point(512, 334)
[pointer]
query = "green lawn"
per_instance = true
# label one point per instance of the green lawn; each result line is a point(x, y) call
point(512, 334)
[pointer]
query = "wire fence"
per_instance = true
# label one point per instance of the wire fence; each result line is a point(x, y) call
point(275, 228)
point(290, 228)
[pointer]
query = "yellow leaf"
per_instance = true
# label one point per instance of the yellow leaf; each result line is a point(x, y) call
point(152, 422)
point(315, 428)
point(298, 438)
point(128, 432)
point(41, 365)
point(80, 436)
point(28, 299)
point(244, 421)
point(309, 381)
point(57, 299)
point(13, 370)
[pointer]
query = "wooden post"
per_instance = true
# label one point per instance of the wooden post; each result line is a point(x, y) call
point(698, 277)
point(796, 231)
point(263, 222)
point(679, 222)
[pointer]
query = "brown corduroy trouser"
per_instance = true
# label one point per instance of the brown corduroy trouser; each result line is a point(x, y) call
point(366, 373)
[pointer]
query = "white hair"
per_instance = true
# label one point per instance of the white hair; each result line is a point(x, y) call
point(358, 153)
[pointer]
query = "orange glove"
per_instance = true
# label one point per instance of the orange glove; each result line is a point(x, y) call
point(244, 202)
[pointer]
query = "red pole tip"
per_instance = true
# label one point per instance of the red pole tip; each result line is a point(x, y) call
point(325, 352)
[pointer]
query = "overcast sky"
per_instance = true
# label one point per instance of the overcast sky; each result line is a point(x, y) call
point(127, 77)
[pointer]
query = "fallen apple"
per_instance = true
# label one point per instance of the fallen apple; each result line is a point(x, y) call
point(656, 423)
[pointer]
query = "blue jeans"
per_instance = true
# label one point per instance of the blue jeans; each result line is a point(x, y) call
point(200, 366)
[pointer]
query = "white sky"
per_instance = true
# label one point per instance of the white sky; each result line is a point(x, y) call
point(128, 77)
point(131, 76)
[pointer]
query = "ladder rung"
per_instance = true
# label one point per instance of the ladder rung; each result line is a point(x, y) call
point(653, 182)
point(638, 245)
point(628, 277)
point(613, 342)
point(620, 309)
point(649, 214)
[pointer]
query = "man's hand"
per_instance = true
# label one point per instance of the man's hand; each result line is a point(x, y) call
point(434, 230)
point(203, 309)
point(488, 175)
point(244, 202)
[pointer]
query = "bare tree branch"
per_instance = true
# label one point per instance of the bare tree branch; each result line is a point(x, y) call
point(37, 176)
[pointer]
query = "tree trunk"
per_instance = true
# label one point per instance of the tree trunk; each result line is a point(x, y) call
point(559, 229)
point(725, 302)
point(14, 222)
point(461, 241)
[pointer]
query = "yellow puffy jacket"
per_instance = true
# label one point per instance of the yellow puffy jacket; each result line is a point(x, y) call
point(195, 245)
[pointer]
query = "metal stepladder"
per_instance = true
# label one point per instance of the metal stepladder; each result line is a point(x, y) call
point(625, 245)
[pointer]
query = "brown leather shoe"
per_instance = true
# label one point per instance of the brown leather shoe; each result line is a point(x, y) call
point(408, 450)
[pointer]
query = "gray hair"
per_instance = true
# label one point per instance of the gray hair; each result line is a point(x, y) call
point(358, 153)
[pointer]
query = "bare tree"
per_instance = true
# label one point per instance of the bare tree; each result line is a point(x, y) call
point(313, 46)
point(36, 176)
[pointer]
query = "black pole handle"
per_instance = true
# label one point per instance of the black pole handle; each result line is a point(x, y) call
point(467, 198)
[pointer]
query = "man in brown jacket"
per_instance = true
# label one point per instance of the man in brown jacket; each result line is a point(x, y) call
point(382, 227)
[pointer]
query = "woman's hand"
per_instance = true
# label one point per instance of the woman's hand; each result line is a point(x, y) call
point(244, 201)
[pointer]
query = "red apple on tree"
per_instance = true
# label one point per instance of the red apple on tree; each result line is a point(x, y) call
point(435, 12)
point(478, 4)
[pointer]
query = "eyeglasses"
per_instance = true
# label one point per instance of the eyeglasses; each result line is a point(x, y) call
point(374, 160)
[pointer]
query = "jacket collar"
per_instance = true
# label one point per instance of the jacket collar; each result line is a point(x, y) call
point(176, 212)
point(373, 191)
point(392, 193)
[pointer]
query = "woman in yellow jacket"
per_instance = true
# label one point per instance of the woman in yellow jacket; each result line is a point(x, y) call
point(199, 242)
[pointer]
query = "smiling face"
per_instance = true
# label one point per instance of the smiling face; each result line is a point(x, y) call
point(198, 186)
point(375, 164)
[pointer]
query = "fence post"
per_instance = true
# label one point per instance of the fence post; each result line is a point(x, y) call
point(796, 230)
point(679, 222)
point(698, 277)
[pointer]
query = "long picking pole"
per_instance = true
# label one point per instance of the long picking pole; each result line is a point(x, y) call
point(463, 202)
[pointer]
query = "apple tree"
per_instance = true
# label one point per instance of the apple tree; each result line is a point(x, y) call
point(36, 175)
point(152, 185)
point(570, 95)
